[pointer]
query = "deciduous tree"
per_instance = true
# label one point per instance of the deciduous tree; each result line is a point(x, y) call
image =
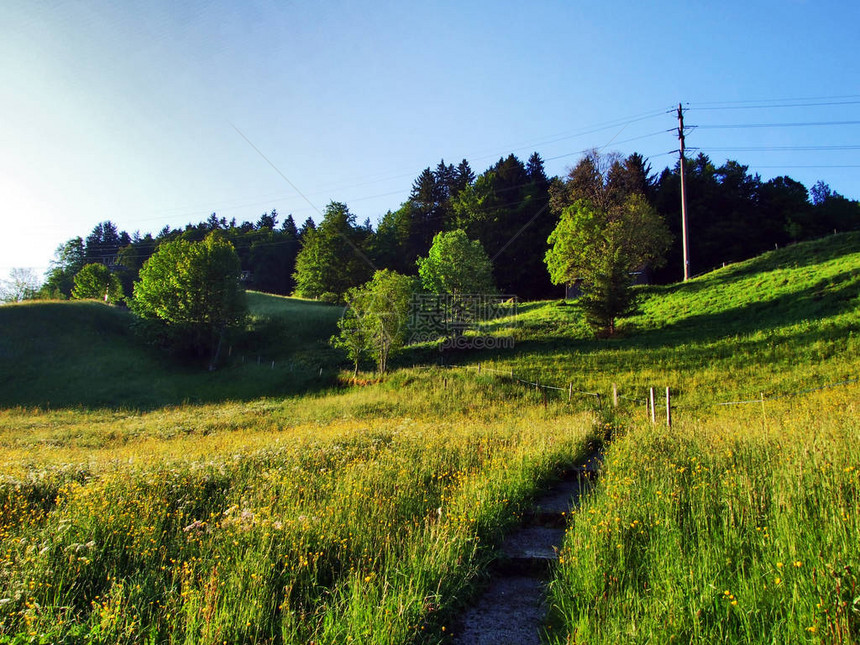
point(600, 249)
point(456, 265)
point(23, 284)
point(376, 319)
point(97, 282)
point(191, 292)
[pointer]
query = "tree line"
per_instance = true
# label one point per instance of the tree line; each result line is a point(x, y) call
point(510, 230)
point(511, 209)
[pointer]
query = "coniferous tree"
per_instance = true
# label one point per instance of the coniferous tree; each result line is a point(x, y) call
point(69, 258)
point(333, 257)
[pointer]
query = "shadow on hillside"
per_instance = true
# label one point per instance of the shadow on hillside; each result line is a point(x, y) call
point(700, 334)
point(84, 354)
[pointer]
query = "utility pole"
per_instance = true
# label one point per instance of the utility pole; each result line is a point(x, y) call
point(683, 195)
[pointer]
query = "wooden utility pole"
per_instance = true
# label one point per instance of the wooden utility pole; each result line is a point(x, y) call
point(683, 195)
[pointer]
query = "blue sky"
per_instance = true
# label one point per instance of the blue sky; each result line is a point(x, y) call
point(142, 112)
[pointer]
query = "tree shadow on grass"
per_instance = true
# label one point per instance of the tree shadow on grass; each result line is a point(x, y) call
point(754, 329)
point(61, 355)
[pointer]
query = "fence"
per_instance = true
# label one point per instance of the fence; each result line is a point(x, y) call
point(650, 400)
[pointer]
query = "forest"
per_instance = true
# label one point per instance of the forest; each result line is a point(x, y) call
point(511, 209)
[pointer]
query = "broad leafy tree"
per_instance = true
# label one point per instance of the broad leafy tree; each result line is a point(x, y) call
point(459, 272)
point(600, 249)
point(97, 282)
point(191, 295)
point(456, 265)
point(376, 319)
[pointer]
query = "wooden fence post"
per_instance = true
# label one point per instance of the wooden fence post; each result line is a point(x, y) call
point(653, 409)
point(569, 392)
point(614, 395)
point(668, 408)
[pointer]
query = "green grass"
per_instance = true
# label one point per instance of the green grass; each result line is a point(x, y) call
point(144, 502)
point(786, 321)
point(738, 528)
point(61, 354)
point(364, 516)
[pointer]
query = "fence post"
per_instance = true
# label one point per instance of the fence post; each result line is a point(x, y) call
point(512, 373)
point(614, 395)
point(273, 364)
point(668, 408)
point(569, 392)
point(653, 409)
point(479, 368)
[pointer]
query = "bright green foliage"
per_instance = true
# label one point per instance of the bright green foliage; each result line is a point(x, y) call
point(97, 282)
point(192, 290)
point(456, 265)
point(600, 249)
point(377, 318)
point(352, 336)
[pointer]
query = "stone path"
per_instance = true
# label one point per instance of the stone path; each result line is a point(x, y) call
point(511, 610)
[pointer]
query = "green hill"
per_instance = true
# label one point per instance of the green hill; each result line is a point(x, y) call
point(374, 510)
point(781, 322)
point(784, 321)
point(62, 354)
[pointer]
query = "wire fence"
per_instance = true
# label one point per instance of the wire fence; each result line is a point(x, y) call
point(649, 399)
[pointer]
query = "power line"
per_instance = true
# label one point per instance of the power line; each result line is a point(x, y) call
point(776, 125)
point(782, 148)
point(768, 107)
point(795, 99)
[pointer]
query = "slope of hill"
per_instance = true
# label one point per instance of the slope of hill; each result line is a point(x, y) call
point(784, 321)
point(59, 354)
point(373, 510)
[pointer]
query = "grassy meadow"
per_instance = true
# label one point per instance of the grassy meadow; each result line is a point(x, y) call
point(83, 353)
point(741, 527)
point(361, 516)
point(142, 502)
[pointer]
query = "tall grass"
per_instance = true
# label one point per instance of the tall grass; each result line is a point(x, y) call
point(742, 527)
point(362, 517)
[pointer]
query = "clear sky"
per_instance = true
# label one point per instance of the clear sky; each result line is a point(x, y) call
point(141, 112)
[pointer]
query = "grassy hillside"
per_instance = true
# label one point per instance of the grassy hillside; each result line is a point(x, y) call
point(367, 514)
point(61, 354)
point(785, 321)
